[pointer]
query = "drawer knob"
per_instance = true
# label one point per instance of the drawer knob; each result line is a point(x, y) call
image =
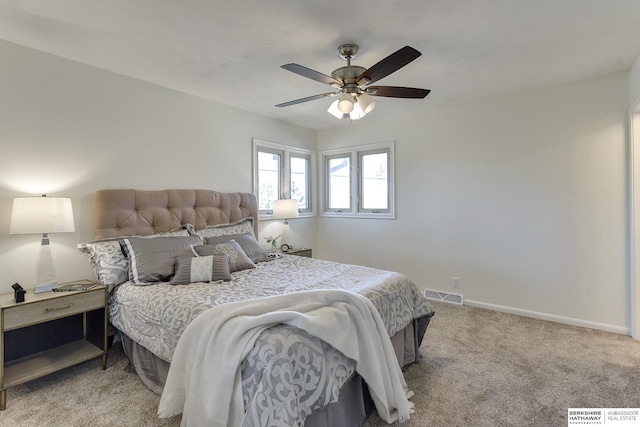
point(60, 307)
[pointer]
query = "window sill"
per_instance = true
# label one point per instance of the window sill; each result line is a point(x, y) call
point(269, 217)
point(357, 215)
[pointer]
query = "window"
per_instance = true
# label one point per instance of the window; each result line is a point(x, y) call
point(300, 179)
point(374, 181)
point(358, 181)
point(269, 178)
point(282, 172)
point(339, 180)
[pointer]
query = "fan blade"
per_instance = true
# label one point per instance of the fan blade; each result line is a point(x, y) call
point(308, 98)
point(388, 65)
point(312, 74)
point(397, 91)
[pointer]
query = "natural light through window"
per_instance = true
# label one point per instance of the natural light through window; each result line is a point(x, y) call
point(283, 172)
point(358, 181)
point(268, 179)
point(374, 181)
point(339, 183)
point(300, 180)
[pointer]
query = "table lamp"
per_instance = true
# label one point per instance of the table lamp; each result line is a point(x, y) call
point(286, 209)
point(42, 215)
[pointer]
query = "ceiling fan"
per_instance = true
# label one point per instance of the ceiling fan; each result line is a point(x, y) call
point(352, 82)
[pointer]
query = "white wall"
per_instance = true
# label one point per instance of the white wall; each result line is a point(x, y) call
point(634, 85)
point(67, 129)
point(634, 151)
point(522, 196)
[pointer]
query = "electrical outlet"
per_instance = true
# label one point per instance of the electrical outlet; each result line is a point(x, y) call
point(456, 282)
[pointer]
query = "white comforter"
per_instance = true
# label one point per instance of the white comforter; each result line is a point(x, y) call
point(204, 381)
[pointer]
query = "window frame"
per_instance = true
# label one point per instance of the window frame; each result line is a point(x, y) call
point(309, 157)
point(284, 192)
point(361, 185)
point(279, 189)
point(327, 182)
point(356, 187)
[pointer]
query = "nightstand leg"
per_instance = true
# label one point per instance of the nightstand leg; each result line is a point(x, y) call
point(3, 399)
point(104, 361)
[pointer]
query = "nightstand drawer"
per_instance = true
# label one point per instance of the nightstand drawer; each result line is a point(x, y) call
point(41, 311)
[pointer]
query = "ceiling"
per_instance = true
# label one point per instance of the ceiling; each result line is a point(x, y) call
point(231, 51)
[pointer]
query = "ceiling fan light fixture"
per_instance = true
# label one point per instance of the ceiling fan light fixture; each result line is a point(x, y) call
point(334, 111)
point(366, 103)
point(352, 82)
point(345, 103)
point(357, 112)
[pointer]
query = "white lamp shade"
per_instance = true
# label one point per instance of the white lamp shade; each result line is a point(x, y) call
point(40, 215)
point(334, 111)
point(357, 112)
point(285, 209)
point(366, 103)
point(345, 103)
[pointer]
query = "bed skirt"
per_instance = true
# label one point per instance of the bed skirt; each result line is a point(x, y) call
point(354, 404)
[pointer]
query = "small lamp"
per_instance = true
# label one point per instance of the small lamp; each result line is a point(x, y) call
point(42, 215)
point(286, 209)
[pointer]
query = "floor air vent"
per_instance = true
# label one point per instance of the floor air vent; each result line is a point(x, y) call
point(443, 296)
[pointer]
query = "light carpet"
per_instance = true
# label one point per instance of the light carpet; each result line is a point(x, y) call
point(478, 368)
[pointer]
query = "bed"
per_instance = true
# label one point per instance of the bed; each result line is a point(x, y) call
point(169, 256)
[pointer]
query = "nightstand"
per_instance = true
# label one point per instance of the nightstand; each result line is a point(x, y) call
point(300, 252)
point(48, 332)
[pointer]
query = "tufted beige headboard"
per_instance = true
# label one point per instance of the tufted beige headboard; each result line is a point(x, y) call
point(138, 212)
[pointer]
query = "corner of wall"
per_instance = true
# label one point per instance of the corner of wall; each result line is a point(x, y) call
point(634, 85)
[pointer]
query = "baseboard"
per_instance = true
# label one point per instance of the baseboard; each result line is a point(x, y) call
point(550, 317)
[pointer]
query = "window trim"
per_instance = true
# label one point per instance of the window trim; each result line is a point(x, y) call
point(355, 153)
point(310, 158)
point(256, 184)
point(327, 178)
point(361, 154)
point(287, 152)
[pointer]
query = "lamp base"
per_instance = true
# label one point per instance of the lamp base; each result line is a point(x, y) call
point(46, 273)
point(286, 234)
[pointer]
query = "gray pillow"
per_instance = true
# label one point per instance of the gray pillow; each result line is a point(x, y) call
point(110, 264)
point(190, 269)
point(247, 242)
point(152, 260)
point(242, 226)
point(238, 260)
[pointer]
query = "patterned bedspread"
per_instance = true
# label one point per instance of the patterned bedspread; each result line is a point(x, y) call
point(289, 373)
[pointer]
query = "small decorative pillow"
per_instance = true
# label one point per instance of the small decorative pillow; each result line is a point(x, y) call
point(190, 269)
point(110, 264)
point(243, 226)
point(152, 260)
point(238, 260)
point(247, 242)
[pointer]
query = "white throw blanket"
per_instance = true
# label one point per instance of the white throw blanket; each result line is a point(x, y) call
point(205, 379)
